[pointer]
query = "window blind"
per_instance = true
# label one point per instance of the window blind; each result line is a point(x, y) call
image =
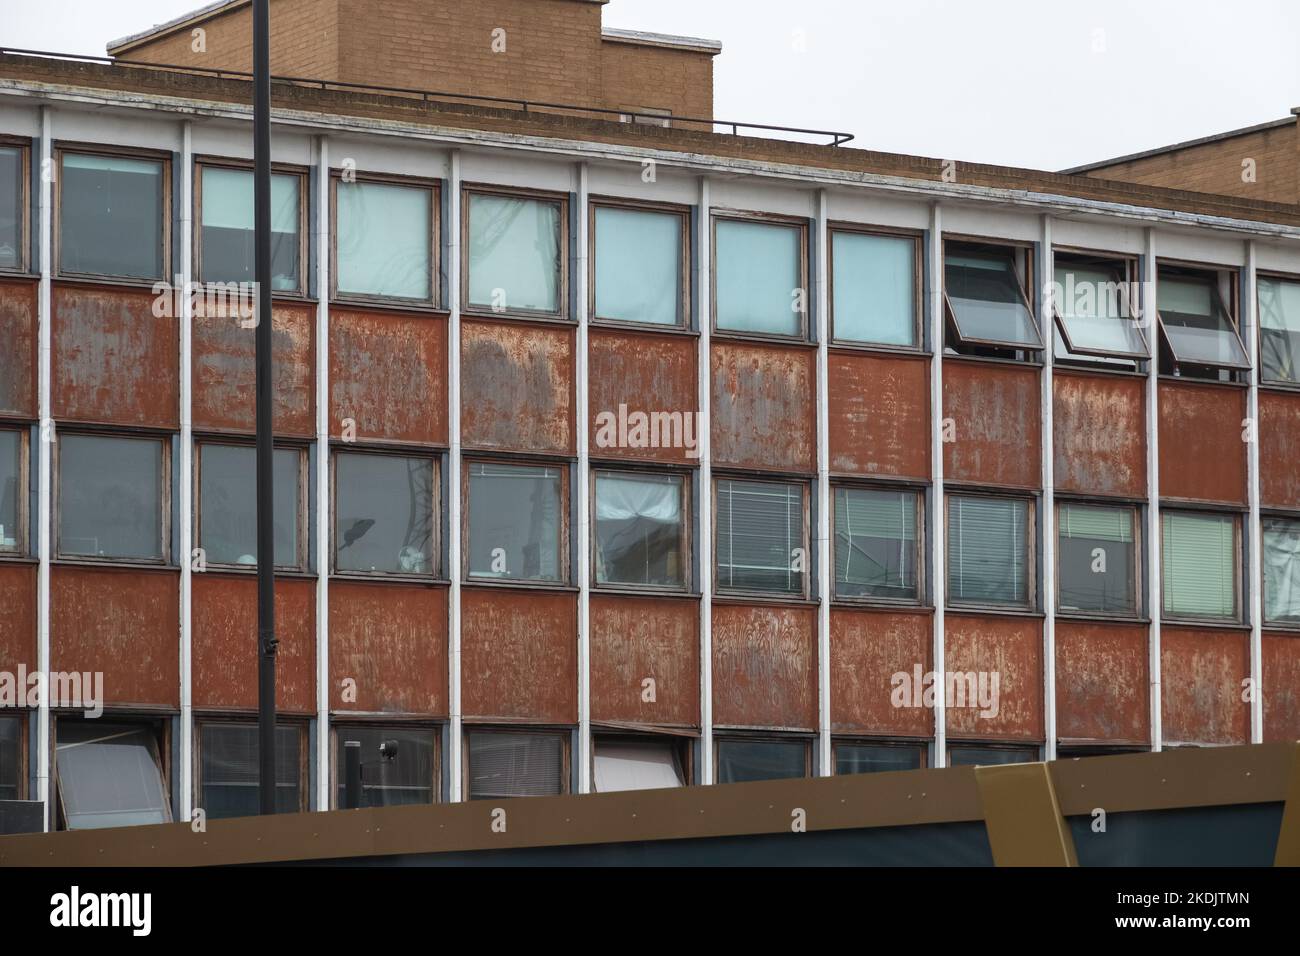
point(987, 559)
point(1198, 567)
point(758, 527)
point(515, 765)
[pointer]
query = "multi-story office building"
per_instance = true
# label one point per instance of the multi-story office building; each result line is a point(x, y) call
point(611, 453)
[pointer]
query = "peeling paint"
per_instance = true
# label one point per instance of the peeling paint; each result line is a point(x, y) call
point(635, 640)
point(1099, 440)
point(765, 667)
point(517, 387)
point(764, 407)
point(879, 421)
point(996, 424)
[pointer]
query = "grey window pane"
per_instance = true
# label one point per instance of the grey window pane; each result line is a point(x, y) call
point(10, 488)
point(635, 765)
point(385, 240)
point(405, 779)
point(758, 271)
point(10, 757)
point(229, 771)
point(875, 758)
point(383, 513)
point(503, 765)
point(12, 213)
point(1094, 305)
point(227, 233)
point(874, 288)
point(1198, 565)
point(228, 504)
point(987, 302)
point(987, 756)
point(110, 497)
point(109, 775)
point(638, 265)
point(988, 550)
point(639, 530)
point(1095, 559)
point(1195, 324)
point(757, 529)
point(875, 543)
point(111, 216)
point(741, 761)
point(1279, 330)
point(515, 516)
point(1281, 570)
point(514, 253)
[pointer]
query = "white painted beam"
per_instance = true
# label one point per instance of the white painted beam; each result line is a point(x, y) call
point(703, 246)
point(323, 529)
point(185, 774)
point(1047, 520)
point(938, 563)
point(580, 279)
point(44, 525)
point(825, 570)
point(1150, 306)
point(452, 231)
point(1255, 535)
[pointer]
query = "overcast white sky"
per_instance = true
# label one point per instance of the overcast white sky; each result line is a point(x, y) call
point(1036, 83)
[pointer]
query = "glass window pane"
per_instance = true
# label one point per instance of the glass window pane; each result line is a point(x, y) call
point(1195, 324)
point(12, 213)
point(988, 550)
point(875, 758)
point(636, 765)
point(109, 776)
point(759, 526)
point(1198, 565)
point(515, 765)
point(1279, 330)
point(639, 530)
point(228, 504)
point(227, 235)
point(638, 265)
point(1095, 559)
point(383, 513)
point(874, 288)
point(1281, 570)
point(987, 756)
point(515, 516)
point(875, 543)
point(514, 253)
point(1094, 306)
point(11, 488)
point(111, 216)
point(110, 497)
point(402, 780)
point(987, 302)
point(758, 277)
point(10, 758)
point(385, 238)
point(229, 771)
point(741, 761)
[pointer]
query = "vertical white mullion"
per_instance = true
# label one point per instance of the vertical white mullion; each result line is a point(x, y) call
point(44, 521)
point(1047, 520)
point(824, 568)
point(580, 280)
point(938, 582)
point(1154, 592)
point(185, 484)
point(454, 737)
point(323, 558)
point(703, 245)
point(1255, 566)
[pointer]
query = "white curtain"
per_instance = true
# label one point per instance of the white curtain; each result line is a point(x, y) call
point(621, 499)
point(1282, 572)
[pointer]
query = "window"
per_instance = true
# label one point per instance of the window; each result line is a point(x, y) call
point(110, 497)
point(109, 775)
point(384, 240)
point(758, 277)
point(862, 757)
point(640, 537)
point(648, 116)
point(229, 770)
point(975, 755)
point(384, 513)
point(1279, 330)
point(406, 777)
point(112, 216)
point(1094, 301)
point(11, 758)
point(639, 257)
point(13, 491)
point(13, 208)
point(226, 250)
point(1197, 324)
point(985, 297)
point(874, 283)
point(1281, 570)
point(742, 760)
point(988, 550)
point(622, 764)
point(517, 249)
point(522, 764)
point(759, 536)
point(1199, 565)
point(227, 517)
point(516, 522)
point(877, 549)
point(1096, 559)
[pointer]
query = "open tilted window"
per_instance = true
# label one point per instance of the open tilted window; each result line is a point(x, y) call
point(1197, 324)
point(985, 300)
point(1095, 309)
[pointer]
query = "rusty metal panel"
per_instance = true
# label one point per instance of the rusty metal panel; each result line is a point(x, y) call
point(224, 643)
point(114, 360)
point(17, 616)
point(1099, 426)
point(18, 349)
point(1102, 686)
point(643, 374)
point(388, 373)
point(1202, 454)
point(517, 387)
point(1281, 686)
point(123, 623)
point(224, 373)
point(869, 647)
point(1201, 674)
point(519, 655)
point(1010, 648)
point(995, 433)
point(635, 640)
point(1279, 449)
point(390, 640)
point(764, 407)
point(765, 666)
point(879, 414)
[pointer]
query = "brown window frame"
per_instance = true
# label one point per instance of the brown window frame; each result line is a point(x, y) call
point(1229, 305)
point(196, 758)
point(1032, 604)
point(22, 529)
point(765, 737)
point(344, 722)
point(20, 716)
point(773, 219)
point(895, 743)
point(1137, 545)
point(950, 316)
point(922, 598)
point(1131, 277)
point(1239, 614)
point(684, 307)
point(302, 536)
point(1033, 750)
point(688, 569)
point(24, 148)
point(565, 579)
point(805, 513)
point(1271, 383)
point(435, 572)
point(561, 315)
point(159, 726)
point(918, 285)
point(434, 188)
point(564, 734)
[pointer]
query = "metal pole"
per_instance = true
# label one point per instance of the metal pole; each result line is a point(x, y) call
point(266, 641)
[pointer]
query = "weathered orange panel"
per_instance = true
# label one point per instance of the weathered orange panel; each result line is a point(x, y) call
point(391, 640)
point(519, 655)
point(996, 424)
point(765, 666)
point(1099, 434)
point(18, 617)
point(764, 407)
point(1281, 686)
point(869, 647)
point(517, 387)
point(1202, 455)
point(1010, 648)
point(1201, 674)
point(224, 643)
point(637, 639)
point(650, 374)
point(1279, 449)
point(114, 360)
point(224, 371)
point(388, 373)
point(124, 623)
point(1102, 685)
point(18, 352)
point(879, 414)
